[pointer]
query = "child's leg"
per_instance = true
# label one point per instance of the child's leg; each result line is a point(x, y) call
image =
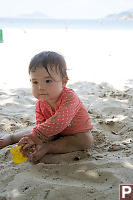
point(13, 138)
point(64, 144)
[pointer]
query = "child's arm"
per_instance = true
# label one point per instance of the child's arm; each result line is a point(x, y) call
point(59, 121)
point(26, 139)
point(14, 138)
point(40, 118)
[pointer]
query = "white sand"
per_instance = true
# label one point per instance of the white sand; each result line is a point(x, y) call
point(93, 174)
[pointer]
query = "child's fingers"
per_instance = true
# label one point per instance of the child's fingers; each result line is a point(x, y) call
point(25, 153)
point(28, 151)
point(26, 146)
point(22, 141)
point(25, 140)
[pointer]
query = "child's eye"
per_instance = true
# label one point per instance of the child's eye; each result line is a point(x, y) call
point(48, 81)
point(35, 82)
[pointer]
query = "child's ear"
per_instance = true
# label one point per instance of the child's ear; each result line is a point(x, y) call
point(64, 81)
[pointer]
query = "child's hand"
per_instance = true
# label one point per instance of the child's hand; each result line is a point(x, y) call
point(28, 146)
point(27, 142)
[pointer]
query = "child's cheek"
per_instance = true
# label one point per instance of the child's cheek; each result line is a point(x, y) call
point(35, 93)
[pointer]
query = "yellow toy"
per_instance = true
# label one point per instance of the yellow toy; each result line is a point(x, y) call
point(17, 154)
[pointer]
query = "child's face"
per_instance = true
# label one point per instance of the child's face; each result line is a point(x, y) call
point(46, 88)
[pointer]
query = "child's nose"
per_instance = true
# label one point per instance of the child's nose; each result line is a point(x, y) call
point(41, 86)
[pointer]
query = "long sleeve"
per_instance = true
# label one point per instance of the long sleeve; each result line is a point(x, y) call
point(40, 118)
point(60, 120)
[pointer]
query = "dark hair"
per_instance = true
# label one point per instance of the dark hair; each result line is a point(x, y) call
point(48, 59)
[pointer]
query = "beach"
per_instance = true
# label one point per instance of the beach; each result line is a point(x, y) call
point(91, 55)
point(100, 71)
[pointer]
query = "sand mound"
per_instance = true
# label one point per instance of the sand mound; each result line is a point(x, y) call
point(91, 174)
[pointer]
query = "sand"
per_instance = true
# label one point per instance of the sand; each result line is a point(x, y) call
point(93, 174)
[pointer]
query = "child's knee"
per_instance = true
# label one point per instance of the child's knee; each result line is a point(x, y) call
point(86, 139)
point(90, 139)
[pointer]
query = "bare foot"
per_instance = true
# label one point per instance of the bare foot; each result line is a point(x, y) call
point(5, 141)
point(39, 153)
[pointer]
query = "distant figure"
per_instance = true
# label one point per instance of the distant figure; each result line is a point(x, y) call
point(62, 121)
point(1, 36)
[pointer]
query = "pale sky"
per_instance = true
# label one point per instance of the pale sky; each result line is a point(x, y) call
point(64, 8)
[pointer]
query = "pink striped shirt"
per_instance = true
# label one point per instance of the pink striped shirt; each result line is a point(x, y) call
point(70, 117)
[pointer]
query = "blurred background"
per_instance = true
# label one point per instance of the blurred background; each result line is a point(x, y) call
point(94, 36)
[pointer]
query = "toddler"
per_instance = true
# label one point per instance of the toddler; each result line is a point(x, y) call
point(62, 121)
